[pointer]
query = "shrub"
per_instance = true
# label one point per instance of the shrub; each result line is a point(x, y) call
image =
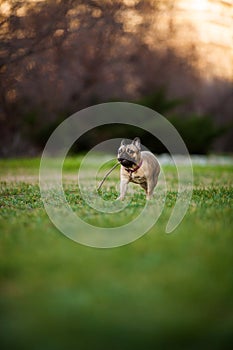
point(198, 132)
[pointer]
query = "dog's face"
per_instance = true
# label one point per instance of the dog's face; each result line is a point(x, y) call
point(129, 154)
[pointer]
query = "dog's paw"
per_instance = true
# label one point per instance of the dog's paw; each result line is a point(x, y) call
point(120, 198)
point(149, 197)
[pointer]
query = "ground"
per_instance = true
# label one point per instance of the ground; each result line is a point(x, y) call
point(164, 291)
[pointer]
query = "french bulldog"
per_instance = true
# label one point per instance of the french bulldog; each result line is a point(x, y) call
point(139, 167)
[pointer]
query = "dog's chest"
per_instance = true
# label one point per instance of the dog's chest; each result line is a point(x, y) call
point(137, 179)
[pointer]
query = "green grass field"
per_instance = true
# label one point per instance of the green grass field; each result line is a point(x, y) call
point(164, 291)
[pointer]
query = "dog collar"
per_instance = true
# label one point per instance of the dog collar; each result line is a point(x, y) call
point(135, 169)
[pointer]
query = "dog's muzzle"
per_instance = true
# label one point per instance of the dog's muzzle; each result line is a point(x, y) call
point(126, 162)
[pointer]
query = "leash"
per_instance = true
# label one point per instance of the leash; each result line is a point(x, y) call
point(130, 171)
point(109, 172)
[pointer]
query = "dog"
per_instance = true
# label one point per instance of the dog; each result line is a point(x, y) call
point(139, 167)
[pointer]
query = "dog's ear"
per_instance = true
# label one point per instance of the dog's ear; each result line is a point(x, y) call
point(123, 142)
point(137, 143)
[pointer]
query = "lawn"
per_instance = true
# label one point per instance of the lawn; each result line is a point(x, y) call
point(163, 291)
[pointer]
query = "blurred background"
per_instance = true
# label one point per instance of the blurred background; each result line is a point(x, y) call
point(162, 291)
point(60, 56)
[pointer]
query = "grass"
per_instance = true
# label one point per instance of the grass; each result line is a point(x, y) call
point(160, 292)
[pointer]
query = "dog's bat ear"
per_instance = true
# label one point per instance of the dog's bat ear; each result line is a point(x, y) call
point(123, 142)
point(137, 143)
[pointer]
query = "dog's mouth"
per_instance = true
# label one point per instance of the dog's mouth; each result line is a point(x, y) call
point(126, 162)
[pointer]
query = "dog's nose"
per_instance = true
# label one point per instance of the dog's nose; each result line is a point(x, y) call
point(125, 162)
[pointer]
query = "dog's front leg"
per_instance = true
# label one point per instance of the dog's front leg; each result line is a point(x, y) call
point(150, 190)
point(123, 188)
